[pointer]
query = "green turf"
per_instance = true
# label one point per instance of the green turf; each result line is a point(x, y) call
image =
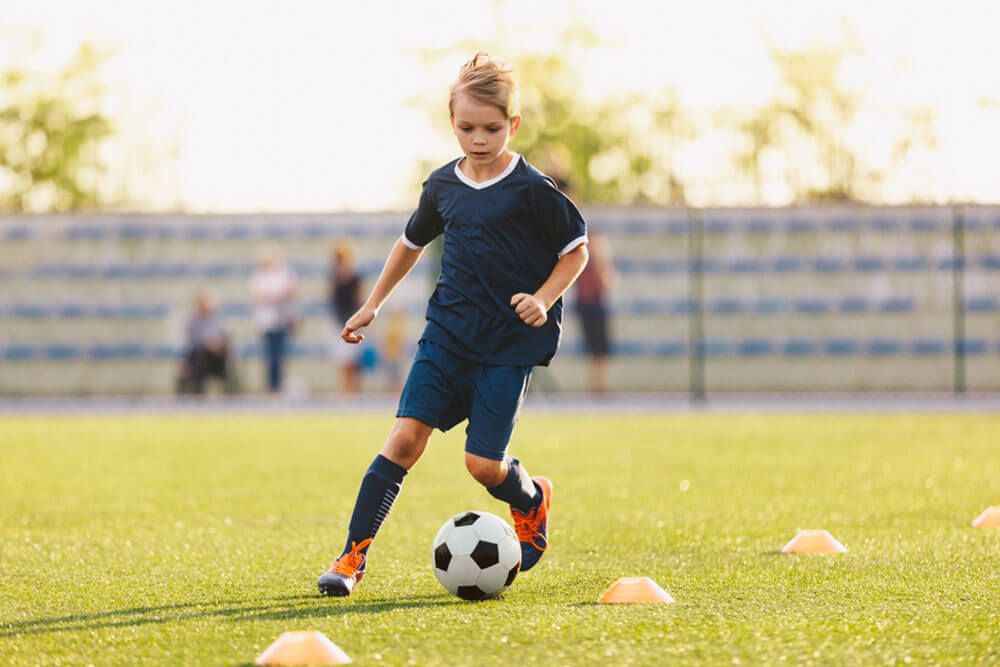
point(198, 540)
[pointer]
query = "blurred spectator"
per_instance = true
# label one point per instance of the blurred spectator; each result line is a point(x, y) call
point(592, 289)
point(273, 286)
point(207, 350)
point(393, 351)
point(344, 299)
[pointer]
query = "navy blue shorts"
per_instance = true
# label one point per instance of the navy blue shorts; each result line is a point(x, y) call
point(443, 389)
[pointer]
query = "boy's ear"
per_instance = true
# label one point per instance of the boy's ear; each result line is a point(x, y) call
point(515, 123)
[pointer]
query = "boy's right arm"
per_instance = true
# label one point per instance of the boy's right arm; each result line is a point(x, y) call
point(401, 260)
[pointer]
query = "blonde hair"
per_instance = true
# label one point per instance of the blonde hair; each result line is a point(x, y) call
point(488, 82)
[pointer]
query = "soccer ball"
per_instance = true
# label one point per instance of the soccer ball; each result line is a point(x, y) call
point(476, 555)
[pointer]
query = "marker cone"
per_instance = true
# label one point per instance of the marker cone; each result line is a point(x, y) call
point(814, 542)
point(990, 518)
point(303, 648)
point(634, 590)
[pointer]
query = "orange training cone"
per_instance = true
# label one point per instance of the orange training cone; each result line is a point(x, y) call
point(631, 590)
point(990, 518)
point(303, 648)
point(814, 542)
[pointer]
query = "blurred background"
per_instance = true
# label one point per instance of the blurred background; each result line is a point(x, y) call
point(783, 196)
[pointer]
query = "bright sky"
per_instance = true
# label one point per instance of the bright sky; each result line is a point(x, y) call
point(303, 106)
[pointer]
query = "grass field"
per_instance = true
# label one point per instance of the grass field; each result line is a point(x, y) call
point(198, 540)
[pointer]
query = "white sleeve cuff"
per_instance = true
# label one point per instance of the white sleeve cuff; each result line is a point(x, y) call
point(572, 245)
point(408, 243)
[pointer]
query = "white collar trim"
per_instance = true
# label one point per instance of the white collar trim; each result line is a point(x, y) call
point(480, 185)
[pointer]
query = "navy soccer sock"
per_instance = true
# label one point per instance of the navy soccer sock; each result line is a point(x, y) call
point(379, 488)
point(517, 490)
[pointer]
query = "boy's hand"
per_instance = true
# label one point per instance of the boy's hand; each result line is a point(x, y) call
point(358, 320)
point(530, 309)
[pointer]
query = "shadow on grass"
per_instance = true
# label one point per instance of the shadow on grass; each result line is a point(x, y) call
point(277, 608)
point(330, 607)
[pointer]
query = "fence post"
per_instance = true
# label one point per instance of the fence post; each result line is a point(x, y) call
point(696, 293)
point(958, 296)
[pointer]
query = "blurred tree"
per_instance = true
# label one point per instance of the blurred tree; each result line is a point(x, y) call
point(612, 151)
point(803, 137)
point(615, 150)
point(51, 128)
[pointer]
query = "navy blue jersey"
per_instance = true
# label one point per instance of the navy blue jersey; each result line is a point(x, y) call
point(501, 237)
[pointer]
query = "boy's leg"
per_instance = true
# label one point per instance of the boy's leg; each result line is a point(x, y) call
point(530, 499)
point(499, 392)
point(384, 478)
point(506, 480)
point(428, 401)
point(379, 488)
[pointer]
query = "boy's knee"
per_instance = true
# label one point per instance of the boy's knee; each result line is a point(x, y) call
point(406, 441)
point(487, 472)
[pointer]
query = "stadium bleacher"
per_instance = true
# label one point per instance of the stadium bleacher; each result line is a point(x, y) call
point(831, 299)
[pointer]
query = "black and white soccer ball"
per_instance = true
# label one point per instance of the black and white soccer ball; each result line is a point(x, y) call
point(476, 555)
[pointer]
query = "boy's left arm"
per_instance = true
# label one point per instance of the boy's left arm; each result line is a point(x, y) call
point(533, 309)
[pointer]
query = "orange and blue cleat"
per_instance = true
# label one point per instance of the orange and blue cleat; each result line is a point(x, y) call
point(532, 527)
point(346, 572)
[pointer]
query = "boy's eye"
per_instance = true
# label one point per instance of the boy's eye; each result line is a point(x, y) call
point(494, 130)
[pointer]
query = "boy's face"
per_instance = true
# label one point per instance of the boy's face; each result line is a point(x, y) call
point(482, 130)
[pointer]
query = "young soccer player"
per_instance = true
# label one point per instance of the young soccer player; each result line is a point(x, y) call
point(513, 244)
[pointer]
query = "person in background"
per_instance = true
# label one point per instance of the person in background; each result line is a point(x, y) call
point(592, 289)
point(207, 349)
point(273, 286)
point(344, 299)
point(393, 351)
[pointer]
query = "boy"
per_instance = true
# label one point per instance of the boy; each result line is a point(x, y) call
point(513, 244)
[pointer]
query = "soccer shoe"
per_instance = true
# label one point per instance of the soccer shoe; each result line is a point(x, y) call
point(532, 527)
point(346, 572)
